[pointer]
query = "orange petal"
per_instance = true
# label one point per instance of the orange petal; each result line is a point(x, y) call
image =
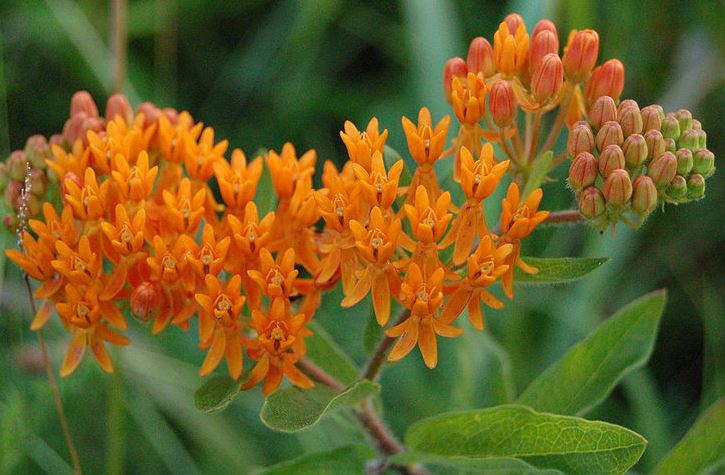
point(428, 344)
point(115, 283)
point(272, 381)
point(42, 316)
point(381, 298)
point(297, 377)
point(405, 343)
point(455, 305)
point(100, 352)
point(74, 354)
point(448, 331)
point(475, 314)
point(215, 354)
point(233, 352)
point(258, 373)
point(360, 290)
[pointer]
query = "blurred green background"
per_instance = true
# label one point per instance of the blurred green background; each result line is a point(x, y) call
point(263, 73)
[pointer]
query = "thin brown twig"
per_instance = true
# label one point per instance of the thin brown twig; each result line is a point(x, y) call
point(372, 367)
point(319, 374)
point(54, 389)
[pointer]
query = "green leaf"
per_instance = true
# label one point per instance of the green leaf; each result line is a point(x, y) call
point(327, 355)
point(293, 409)
point(390, 157)
point(348, 459)
point(217, 393)
point(557, 270)
point(702, 449)
point(538, 172)
point(373, 332)
point(266, 199)
point(482, 465)
point(545, 441)
point(591, 368)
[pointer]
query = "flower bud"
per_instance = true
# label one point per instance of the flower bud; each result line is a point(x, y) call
point(145, 301)
point(695, 186)
point(663, 169)
point(591, 203)
point(37, 151)
point(583, 171)
point(644, 195)
point(618, 188)
point(4, 177)
point(684, 117)
point(630, 119)
point(690, 139)
point(502, 103)
point(82, 101)
point(610, 159)
point(34, 205)
point(670, 127)
point(581, 139)
point(510, 47)
point(678, 188)
point(580, 54)
point(69, 176)
point(544, 40)
point(606, 80)
point(38, 182)
point(635, 151)
point(703, 162)
point(610, 133)
point(513, 21)
point(480, 57)
point(702, 138)
point(655, 144)
point(455, 67)
point(12, 194)
point(548, 78)
point(627, 103)
point(670, 145)
point(10, 221)
point(17, 165)
point(696, 124)
point(684, 161)
point(55, 139)
point(150, 112)
point(652, 117)
point(603, 110)
point(118, 105)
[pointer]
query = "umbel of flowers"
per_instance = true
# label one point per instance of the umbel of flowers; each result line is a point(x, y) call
point(138, 229)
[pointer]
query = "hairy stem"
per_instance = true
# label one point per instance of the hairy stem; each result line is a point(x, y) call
point(534, 138)
point(319, 374)
point(560, 119)
point(54, 389)
point(372, 367)
point(564, 216)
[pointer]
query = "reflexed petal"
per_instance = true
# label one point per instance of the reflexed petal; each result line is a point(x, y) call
point(428, 344)
point(258, 373)
point(42, 316)
point(100, 352)
point(297, 377)
point(74, 354)
point(215, 354)
point(406, 342)
point(381, 298)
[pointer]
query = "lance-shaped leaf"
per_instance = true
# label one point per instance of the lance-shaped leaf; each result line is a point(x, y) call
point(591, 369)
point(702, 450)
point(482, 465)
point(538, 172)
point(544, 441)
point(217, 393)
point(293, 409)
point(558, 270)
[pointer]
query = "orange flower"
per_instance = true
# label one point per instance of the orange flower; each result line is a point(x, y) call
point(183, 210)
point(426, 145)
point(96, 337)
point(429, 222)
point(479, 180)
point(209, 257)
point(288, 171)
point(89, 200)
point(379, 186)
point(423, 297)
point(126, 238)
point(485, 265)
point(510, 48)
point(361, 145)
point(468, 97)
point(200, 157)
point(35, 259)
point(276, 279)
point(81, 267)
point(293, 226)
point(219, 324)
point(280, 345)
point(55, 227)
point(238, 181)
point(173, 136)
point(376, 244)
point(134, 182)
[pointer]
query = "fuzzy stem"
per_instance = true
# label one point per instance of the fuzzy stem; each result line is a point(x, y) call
point(372, 367)
point(534, 138)
point(54, 389)
point(559, 121)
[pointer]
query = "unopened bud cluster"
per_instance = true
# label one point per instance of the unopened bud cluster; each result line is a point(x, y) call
point(23, 167)
point(626, 161)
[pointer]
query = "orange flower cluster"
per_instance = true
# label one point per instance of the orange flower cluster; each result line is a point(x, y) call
point(524, 71)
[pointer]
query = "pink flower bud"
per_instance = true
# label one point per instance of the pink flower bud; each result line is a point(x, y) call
point(606, 80)
point(684, 117)
point(670, 145)
point(703, 162)
point(644, 195)
point(678, 188)
point(455, 67)
point(150, 112)
point(513, 21)
point(34, 205)
point(618, 188)
point(82, 101)
point(610, 133)
point(38, 182)
point(655, 144)
point(12, 194)
point(480, 57)
point(690, 139)
point(581, 139)
point(583, 171)
point(670, 127)
point(171, 114)
point(118, 105)
point(652, 117)
point(145, 301)
point(580, 55)
point(630, 119)
point(502, 103)
point(627, 103)
point(17, 164)
point(695, 186)
point(684, 161)
point(37, 150)
point(548, 78)
point(591, 203)
point(610, 159)
point(635, 151)
point(603, 110)
point(544, 41)
point(663, 169)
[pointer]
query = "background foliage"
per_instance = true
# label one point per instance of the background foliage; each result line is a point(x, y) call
point(263, 73)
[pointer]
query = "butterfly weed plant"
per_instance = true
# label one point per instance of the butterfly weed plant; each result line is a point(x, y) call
point(145, 214)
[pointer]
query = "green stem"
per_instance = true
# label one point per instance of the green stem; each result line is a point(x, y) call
point(116, 442)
